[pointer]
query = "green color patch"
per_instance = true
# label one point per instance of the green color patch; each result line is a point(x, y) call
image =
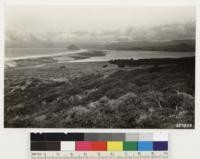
point(130, 146)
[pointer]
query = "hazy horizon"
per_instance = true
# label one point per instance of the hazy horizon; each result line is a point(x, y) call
point(91, 23)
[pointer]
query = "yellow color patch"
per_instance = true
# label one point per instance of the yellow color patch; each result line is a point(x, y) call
point(114, 146)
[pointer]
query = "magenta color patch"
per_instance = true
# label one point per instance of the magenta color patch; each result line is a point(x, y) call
point(83, 145)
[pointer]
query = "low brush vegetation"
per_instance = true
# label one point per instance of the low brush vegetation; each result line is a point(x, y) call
point(157, 94)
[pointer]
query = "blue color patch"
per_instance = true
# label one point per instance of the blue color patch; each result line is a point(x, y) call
point(145, 146)
point(160, 146)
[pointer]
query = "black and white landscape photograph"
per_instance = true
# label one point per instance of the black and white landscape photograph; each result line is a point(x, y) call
point(99, 66)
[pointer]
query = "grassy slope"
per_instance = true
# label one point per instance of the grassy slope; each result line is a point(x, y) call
point(100, 95)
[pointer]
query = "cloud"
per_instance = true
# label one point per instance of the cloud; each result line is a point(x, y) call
point(176, 31)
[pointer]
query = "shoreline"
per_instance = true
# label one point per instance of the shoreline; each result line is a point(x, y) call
point(71, 53)
point(43, 56)
point(55, 58)
point(78, 56)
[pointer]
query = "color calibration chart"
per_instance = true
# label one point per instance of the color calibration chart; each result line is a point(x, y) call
point(99, 146)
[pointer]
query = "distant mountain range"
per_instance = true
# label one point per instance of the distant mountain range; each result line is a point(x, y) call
point(172, 37)
point(173, 45)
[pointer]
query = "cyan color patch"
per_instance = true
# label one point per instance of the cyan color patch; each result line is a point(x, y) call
point(145, 146)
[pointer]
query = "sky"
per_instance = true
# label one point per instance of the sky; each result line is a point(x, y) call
point(68, 18)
